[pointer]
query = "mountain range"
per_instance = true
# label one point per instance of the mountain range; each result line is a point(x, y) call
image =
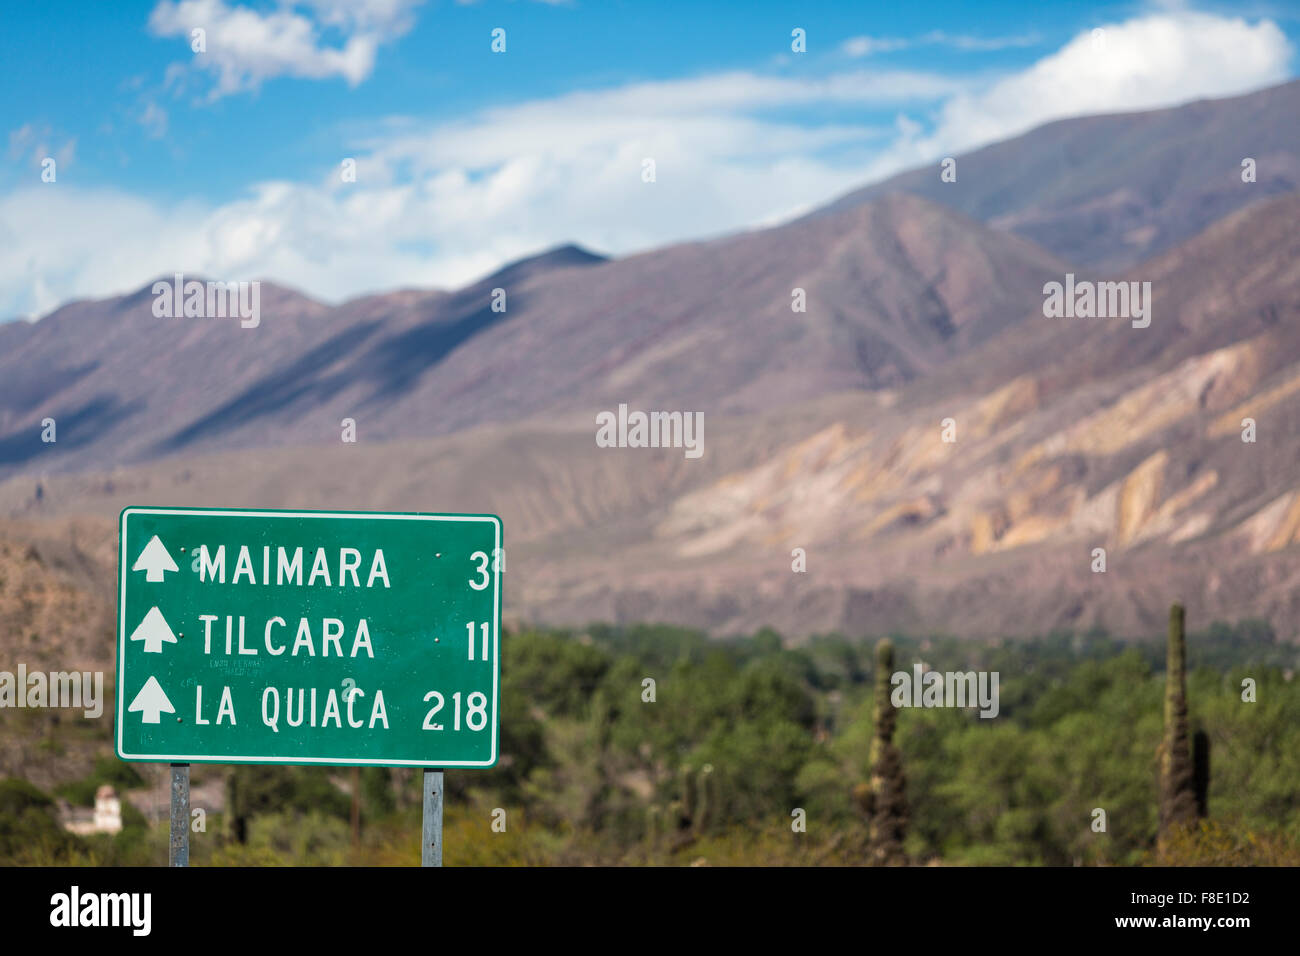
point(943, 455)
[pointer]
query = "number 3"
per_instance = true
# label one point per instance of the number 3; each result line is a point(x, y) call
point(482, 569)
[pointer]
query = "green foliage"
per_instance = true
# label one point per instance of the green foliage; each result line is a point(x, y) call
point(119, 774)
point(377, 795)
point(1205, 843)
point(28, 826)
point(563, 673)
point(256, 790)
point(17, 795)
point(593, 772)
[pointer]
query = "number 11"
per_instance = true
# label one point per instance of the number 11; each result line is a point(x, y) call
point(469, 626)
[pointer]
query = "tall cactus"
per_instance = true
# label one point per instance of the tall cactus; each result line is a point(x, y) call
point(236, 816)
point(652, 818)
point(704, 799)
point(1201, 772)
point(693, 811)
point(686, 815)
point(1178, 804)
point(696, 803)
point(888, 797)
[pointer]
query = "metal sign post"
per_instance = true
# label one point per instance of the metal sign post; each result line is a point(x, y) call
point(338, 638)
point(178, 849)
point(431, 840)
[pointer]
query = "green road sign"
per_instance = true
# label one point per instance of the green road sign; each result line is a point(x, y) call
point(308, 637)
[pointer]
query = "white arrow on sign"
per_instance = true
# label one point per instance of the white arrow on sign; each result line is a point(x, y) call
point(154, 631)
point(154, 560)
point(151, 701)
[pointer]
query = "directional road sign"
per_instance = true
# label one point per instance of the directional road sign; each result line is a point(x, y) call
point(308, 637)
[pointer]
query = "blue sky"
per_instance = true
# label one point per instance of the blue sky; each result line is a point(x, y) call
point(226, 162)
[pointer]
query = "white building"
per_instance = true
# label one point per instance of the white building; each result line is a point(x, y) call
point(105, 818)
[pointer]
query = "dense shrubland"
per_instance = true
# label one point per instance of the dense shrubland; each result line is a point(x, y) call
point(743, 734)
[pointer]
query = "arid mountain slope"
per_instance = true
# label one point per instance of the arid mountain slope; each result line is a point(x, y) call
point(1109, 191)
point(893, 289)
point(1071, 435)
point(824, 428)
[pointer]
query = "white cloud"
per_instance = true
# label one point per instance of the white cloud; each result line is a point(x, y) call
point(31, 143)
point(62, 242)
point(388, 17)
point(869, 46)
point(866, 46)
point(440, 204)
point(961, 42)
point(714, 114)
point(154, 119)
point(1144, 63)
point(244, 47)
